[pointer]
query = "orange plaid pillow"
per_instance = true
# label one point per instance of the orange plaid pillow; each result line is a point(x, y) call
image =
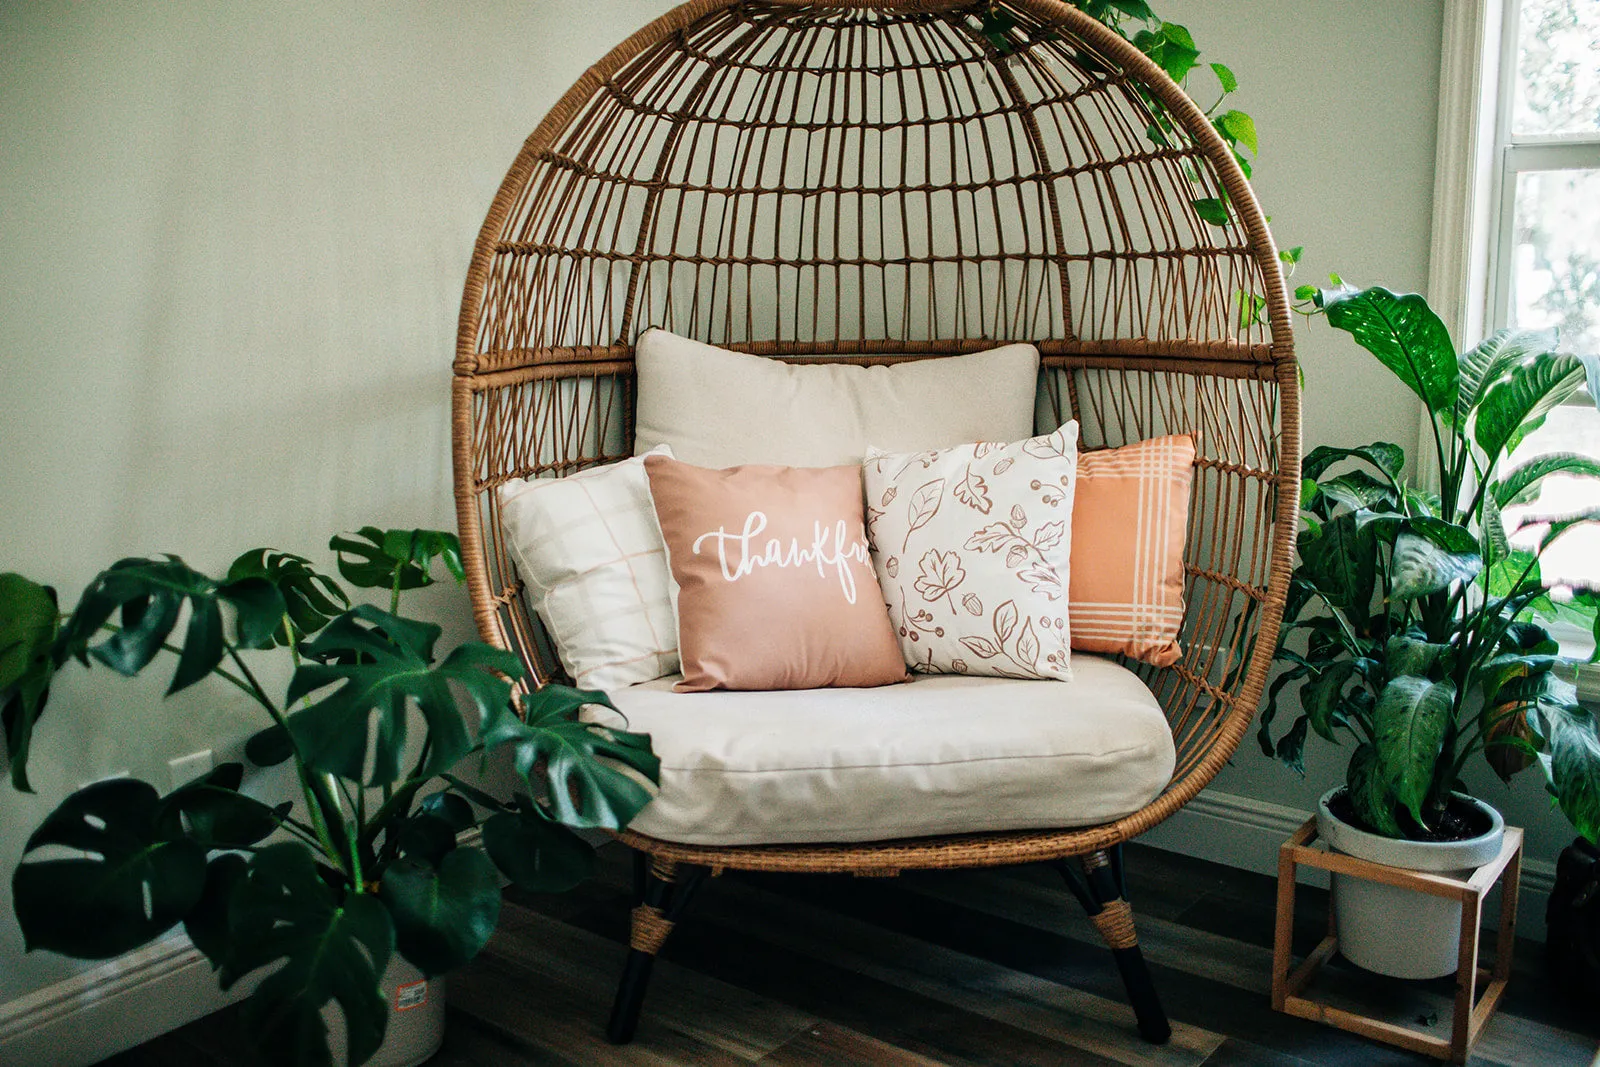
point(1125, 589)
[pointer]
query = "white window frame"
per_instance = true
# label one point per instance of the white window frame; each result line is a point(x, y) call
point(1477, 161)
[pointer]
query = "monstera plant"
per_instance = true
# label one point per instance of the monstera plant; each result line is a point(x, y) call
point(1417, 623)
point(317, 893)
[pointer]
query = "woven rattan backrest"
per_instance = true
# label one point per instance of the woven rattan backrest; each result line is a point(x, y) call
point(881, 181)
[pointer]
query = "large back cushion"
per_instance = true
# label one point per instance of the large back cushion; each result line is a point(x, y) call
point(720, 409)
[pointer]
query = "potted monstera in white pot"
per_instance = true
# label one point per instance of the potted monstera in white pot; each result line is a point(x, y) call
point(1415, 625)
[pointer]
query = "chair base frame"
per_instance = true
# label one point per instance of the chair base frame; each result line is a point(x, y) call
point(664, 887)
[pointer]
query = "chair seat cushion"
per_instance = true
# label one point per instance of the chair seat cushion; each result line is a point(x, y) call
point(940, 754)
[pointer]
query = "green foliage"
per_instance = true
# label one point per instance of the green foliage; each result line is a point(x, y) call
point(1413, 624)
point(371, 722)
point(29, 624)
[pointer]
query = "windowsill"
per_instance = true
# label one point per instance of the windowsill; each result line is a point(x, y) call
point(1578, 643)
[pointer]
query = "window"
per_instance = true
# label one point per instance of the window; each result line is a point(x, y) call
point(1544, 240)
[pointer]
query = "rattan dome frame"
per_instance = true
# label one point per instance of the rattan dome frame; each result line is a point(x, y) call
point(859, 181)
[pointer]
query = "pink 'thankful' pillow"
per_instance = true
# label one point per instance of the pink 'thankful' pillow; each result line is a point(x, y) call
point(776, 588)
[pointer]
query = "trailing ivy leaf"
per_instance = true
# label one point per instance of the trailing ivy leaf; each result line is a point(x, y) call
point(1323, 696)
point(150, 594)
point(1212, 209)
point(1404, 334)
point(382, 663)
point(583, 761)
point(1515, 405)
point(29, 622)
point(1368, 794)
point(139, 881)
point(1225, 78)
point(1419, 567)
point(1291, 256)
point(370, 558)
point(1387, 458)
point(1520, 484)
point(330, 948)
point(1238, 127)
point(310, 599)
point(1408, 727)
point(1490, 360)
point(443, 915)
point(538, 855)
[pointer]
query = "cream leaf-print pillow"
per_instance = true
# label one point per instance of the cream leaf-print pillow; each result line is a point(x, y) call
point(971, 545)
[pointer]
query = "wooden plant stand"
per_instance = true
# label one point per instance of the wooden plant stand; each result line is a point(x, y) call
point(1470, 1012)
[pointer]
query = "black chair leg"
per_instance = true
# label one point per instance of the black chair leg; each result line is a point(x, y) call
point(663, 891)
point(1101, 891)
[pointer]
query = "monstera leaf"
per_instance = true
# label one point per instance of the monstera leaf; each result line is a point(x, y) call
point(140, 876)
point(396, 559)
point(212, 813)
point(583, 762)
point(325, 948)
point(444, 912)
point(28, 626)
point(309, 599)
point(382, 664)
point(537, 854)
point(150, 594)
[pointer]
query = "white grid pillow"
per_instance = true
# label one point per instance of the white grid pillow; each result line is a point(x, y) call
point(590, 550)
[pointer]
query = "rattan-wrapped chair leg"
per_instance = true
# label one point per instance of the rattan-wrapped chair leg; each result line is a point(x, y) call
point(1101, 891)
point(662, 891)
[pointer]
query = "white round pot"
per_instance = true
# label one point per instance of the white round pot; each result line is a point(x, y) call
point(416, 1018)
point(1401, 932)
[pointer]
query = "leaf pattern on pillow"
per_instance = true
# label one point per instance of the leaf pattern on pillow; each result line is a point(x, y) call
point(924, 506)
point(941, 573)
point(973, 492)
point(1003, 542)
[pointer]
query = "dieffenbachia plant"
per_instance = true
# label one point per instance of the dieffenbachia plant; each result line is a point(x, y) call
point(318, 892)
point(1414, 624)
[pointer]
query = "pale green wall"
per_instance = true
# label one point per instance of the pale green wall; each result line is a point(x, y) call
point(232, 240)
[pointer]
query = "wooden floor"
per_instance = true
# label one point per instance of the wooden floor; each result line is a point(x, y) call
point(988, 967)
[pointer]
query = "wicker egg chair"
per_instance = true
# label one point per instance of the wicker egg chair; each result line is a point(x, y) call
point(865, 182)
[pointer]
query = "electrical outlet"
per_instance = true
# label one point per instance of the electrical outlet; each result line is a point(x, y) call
point(185, 769)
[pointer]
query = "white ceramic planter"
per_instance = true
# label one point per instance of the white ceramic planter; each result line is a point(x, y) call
point(416, 1018)
point(1394, 931)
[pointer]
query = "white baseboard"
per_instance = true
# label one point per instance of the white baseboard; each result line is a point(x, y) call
point(111, 1007)
point(1244, 832)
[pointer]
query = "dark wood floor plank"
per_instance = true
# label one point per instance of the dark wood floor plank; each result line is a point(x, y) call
point(584, 967)
point(830, 1045)
point(1061, 1013)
